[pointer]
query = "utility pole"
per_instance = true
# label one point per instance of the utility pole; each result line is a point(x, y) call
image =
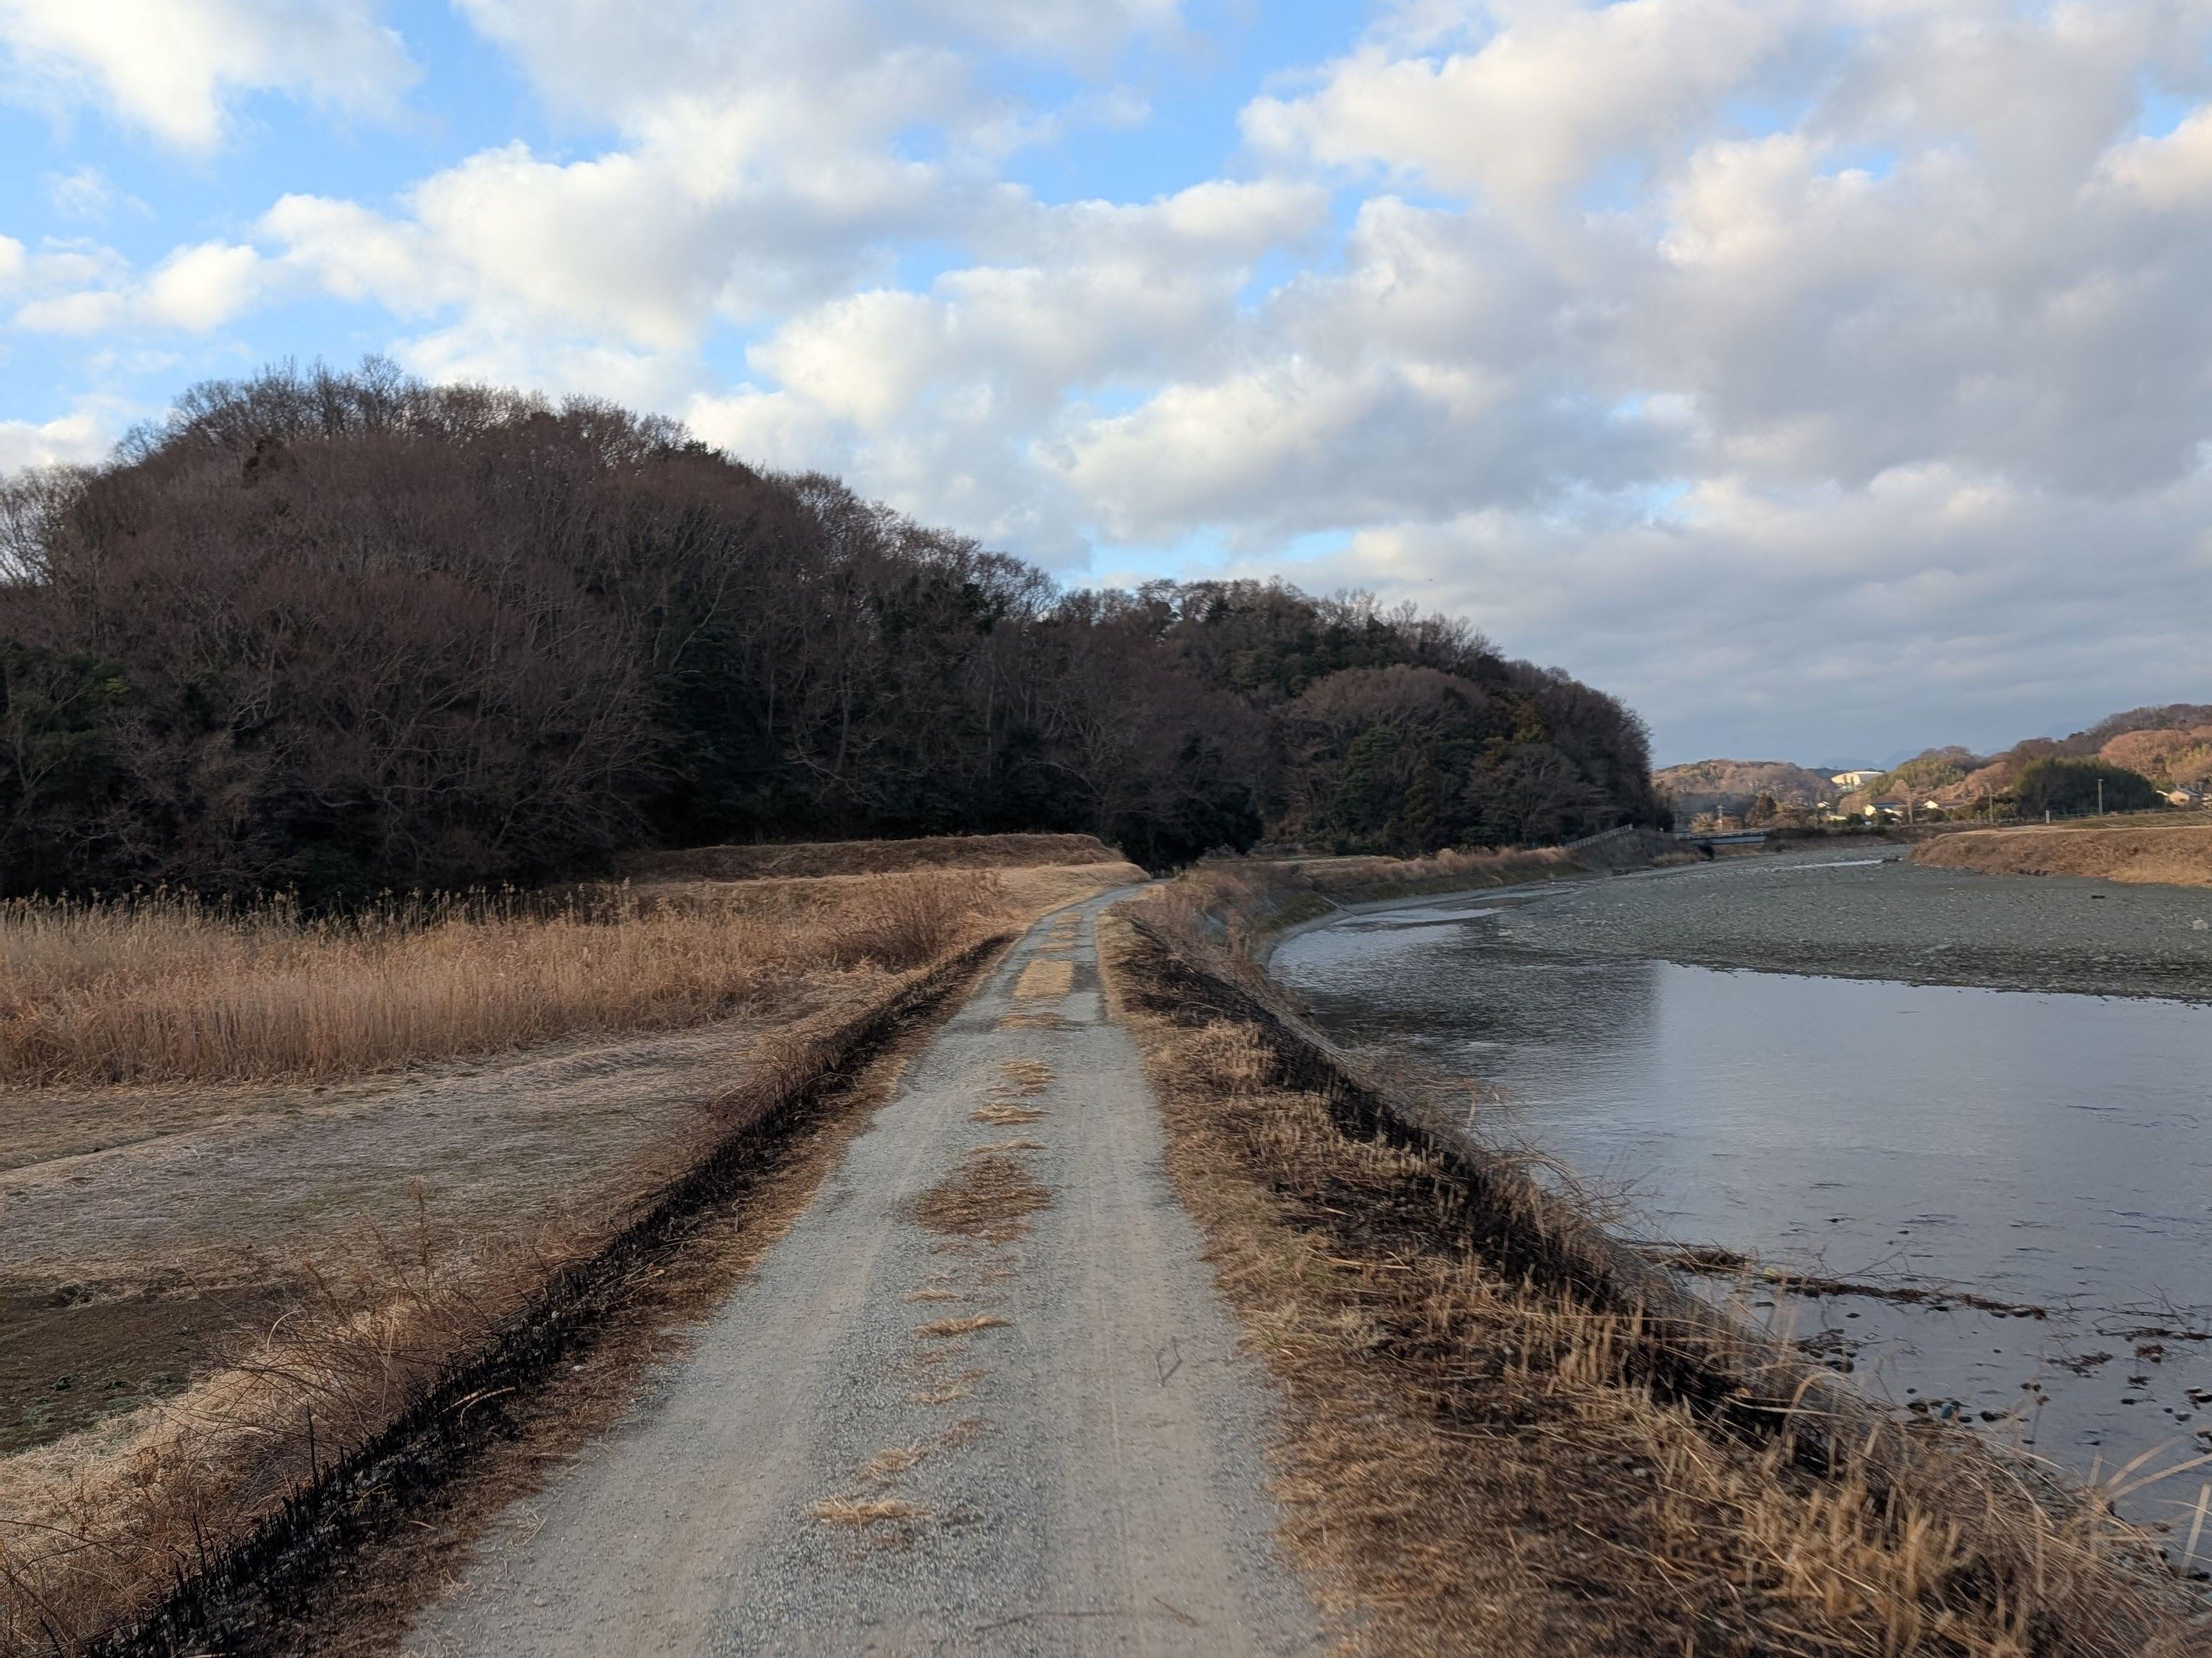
point(2100, 797)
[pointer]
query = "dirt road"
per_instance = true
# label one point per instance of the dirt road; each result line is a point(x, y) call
point(982, 1399)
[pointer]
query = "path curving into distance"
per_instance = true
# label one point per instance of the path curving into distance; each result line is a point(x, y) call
point(983, 1398)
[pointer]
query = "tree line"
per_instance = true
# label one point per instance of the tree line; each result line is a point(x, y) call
point(341, 632)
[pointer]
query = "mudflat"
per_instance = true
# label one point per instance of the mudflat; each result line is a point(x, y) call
point(1866, 915)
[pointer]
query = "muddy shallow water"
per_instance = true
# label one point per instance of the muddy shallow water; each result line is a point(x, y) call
point(2035, 1150)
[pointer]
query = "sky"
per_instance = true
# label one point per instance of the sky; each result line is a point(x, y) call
point(1828, 379)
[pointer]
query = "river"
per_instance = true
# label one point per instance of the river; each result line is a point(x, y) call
point(2029, 1149)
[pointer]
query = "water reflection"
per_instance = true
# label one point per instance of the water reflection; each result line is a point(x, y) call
point(2040, 1148)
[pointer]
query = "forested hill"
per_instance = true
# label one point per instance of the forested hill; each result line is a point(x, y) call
point(343, 632)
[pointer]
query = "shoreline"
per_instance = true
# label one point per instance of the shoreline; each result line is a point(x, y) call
point(1418, 1294)
point(1881, 917)
point(1634, 1063)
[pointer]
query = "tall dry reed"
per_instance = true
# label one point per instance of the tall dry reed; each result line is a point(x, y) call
point(166, 988)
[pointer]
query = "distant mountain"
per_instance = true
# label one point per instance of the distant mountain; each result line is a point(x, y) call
point(2171, 744)
point(1730, 785)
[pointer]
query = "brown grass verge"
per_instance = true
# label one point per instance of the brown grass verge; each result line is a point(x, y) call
point(2166, 854)
point(1498, 1438)
point(345, 1436)
point(160, 988)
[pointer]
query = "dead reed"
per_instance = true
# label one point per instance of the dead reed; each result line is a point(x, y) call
point(1476, 1459)
point(162, 988)
point(94, 1528)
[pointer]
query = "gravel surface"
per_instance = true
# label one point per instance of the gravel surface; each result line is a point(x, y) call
point(1081, 1475)
point(1869, 915)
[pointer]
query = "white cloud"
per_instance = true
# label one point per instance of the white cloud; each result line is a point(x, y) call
point(173, 67)
point(85, 194)
point(1930, 606)
point(200, 289)
point(79, 439)
point(1767, 343)
point(1548, 95)
point(83, 288)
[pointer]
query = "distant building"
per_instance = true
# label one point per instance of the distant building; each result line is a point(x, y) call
point(1849, 781)
point(1886, 808)
point(2185, 796)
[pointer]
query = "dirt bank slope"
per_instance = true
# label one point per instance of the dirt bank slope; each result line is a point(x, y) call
point(2164, 854)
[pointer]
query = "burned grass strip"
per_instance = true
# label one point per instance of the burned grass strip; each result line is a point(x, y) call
point(1505, 1433)
point(254, 1593)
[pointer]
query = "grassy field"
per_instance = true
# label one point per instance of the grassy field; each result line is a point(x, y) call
point(2112, 849)
point(255, 1165)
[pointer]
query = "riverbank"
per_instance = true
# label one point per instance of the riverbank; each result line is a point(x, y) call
point(2137, 853)
point(1505, 1433)
point(1869, 914)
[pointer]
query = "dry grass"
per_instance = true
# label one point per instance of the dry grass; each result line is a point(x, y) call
point(943, 1329)
point(163, 988)
point(1019, 1020)
point(892, 1462)
point(949, 1392)
point(863, 1511)
point(1000, 1114)
point(1046, 979)
point(1477, 1460)
point(2166, 854)
point(1030, 1075)
point(807, 858)
point(988, 1196)
point(98, 1524)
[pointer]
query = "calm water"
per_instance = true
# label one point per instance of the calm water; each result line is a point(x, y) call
point(2036, 1148)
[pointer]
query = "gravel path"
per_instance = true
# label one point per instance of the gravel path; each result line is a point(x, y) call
point(1080, 1474)
point(1866, 915)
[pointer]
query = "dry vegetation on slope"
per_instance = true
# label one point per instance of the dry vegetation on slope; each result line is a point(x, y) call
point(355, 1236)
point(161, 989)
point(1489, 1446)
point(2163, 854)
point(1243, 901)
